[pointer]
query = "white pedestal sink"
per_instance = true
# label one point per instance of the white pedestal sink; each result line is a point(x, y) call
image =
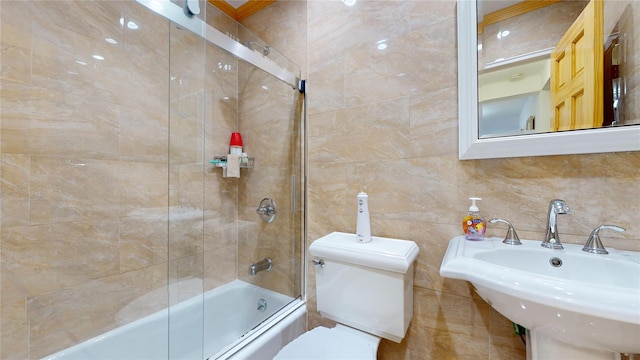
point(575, 305)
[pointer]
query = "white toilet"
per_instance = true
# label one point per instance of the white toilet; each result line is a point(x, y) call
point(367, 288)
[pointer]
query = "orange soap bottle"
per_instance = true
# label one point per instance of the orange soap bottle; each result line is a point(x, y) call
point(473, 225)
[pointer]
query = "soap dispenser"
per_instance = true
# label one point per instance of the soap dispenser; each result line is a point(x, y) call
point(472, 224)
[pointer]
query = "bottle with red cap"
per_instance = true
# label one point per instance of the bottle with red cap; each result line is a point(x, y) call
point(235, 145)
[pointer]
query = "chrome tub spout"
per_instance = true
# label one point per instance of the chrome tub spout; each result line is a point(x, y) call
point(262, 265)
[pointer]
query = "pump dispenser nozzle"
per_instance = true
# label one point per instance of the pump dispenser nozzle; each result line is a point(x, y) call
point(473, 206)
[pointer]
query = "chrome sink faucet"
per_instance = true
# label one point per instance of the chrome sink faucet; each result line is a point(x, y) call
point(552, 238)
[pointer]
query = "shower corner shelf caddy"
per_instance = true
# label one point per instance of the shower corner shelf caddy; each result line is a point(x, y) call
point(221, 162)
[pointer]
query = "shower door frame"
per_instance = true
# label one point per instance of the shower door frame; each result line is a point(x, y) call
point(194, 24)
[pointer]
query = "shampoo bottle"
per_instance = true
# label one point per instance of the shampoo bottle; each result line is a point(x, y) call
point(472, 224)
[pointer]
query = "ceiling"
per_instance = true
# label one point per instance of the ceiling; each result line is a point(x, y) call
point(240, 9)
point(489, 6)
point(237, 3)
point(494, 11)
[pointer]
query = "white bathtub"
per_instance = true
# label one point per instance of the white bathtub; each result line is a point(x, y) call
point(234, 328)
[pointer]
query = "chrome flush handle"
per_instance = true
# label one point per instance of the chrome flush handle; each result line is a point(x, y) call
point(318, 262)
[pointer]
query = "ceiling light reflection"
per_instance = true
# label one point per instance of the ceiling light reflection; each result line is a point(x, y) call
point(130, 24)
point(503, 34)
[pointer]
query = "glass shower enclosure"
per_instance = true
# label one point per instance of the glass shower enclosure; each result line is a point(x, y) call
point(111, 209)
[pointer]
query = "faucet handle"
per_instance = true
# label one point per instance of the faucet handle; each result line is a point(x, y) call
point(512, 237)
point(594, 245)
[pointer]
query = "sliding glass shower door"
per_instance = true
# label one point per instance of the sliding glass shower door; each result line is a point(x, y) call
point(215, 233)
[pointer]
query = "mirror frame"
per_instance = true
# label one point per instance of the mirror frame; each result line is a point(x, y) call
point(600, 140)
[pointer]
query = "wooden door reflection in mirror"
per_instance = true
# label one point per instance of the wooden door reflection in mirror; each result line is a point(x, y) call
point(526, 32)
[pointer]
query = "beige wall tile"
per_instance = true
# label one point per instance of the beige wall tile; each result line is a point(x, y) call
point(41, 259)
point(286, 28)
point(14, 339)
point(15, 190)
point(16, 49)
point(186, 278)
point(62, 318)
point(80, 189)
point(434, 123)
point(185, 232)
point(327, 92)
point(503, 343)
point(141, 186)
point(410, 64)
point(220, 265)
point(143, 240)
point(376, 131)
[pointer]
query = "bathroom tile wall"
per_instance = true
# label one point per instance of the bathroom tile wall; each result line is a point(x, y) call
point(385, 122)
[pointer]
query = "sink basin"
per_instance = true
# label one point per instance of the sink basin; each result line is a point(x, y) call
point(566, 297)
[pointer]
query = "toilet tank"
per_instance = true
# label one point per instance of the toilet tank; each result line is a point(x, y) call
point(367, 286)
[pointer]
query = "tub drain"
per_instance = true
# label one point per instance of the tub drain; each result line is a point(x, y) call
point(555, 262)
point(262, 305)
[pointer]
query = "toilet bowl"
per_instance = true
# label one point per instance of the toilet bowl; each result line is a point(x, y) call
point(339, 343)
point(366, 288)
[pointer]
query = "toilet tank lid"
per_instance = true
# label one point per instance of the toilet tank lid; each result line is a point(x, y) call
point(381, 253)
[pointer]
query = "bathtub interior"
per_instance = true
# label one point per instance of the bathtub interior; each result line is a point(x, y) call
point(232, 314)
point(241, 309)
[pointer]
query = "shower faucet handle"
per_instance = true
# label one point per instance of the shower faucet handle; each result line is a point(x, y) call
point(267, 210)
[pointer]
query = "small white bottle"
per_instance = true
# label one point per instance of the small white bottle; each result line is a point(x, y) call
point(363, 223)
